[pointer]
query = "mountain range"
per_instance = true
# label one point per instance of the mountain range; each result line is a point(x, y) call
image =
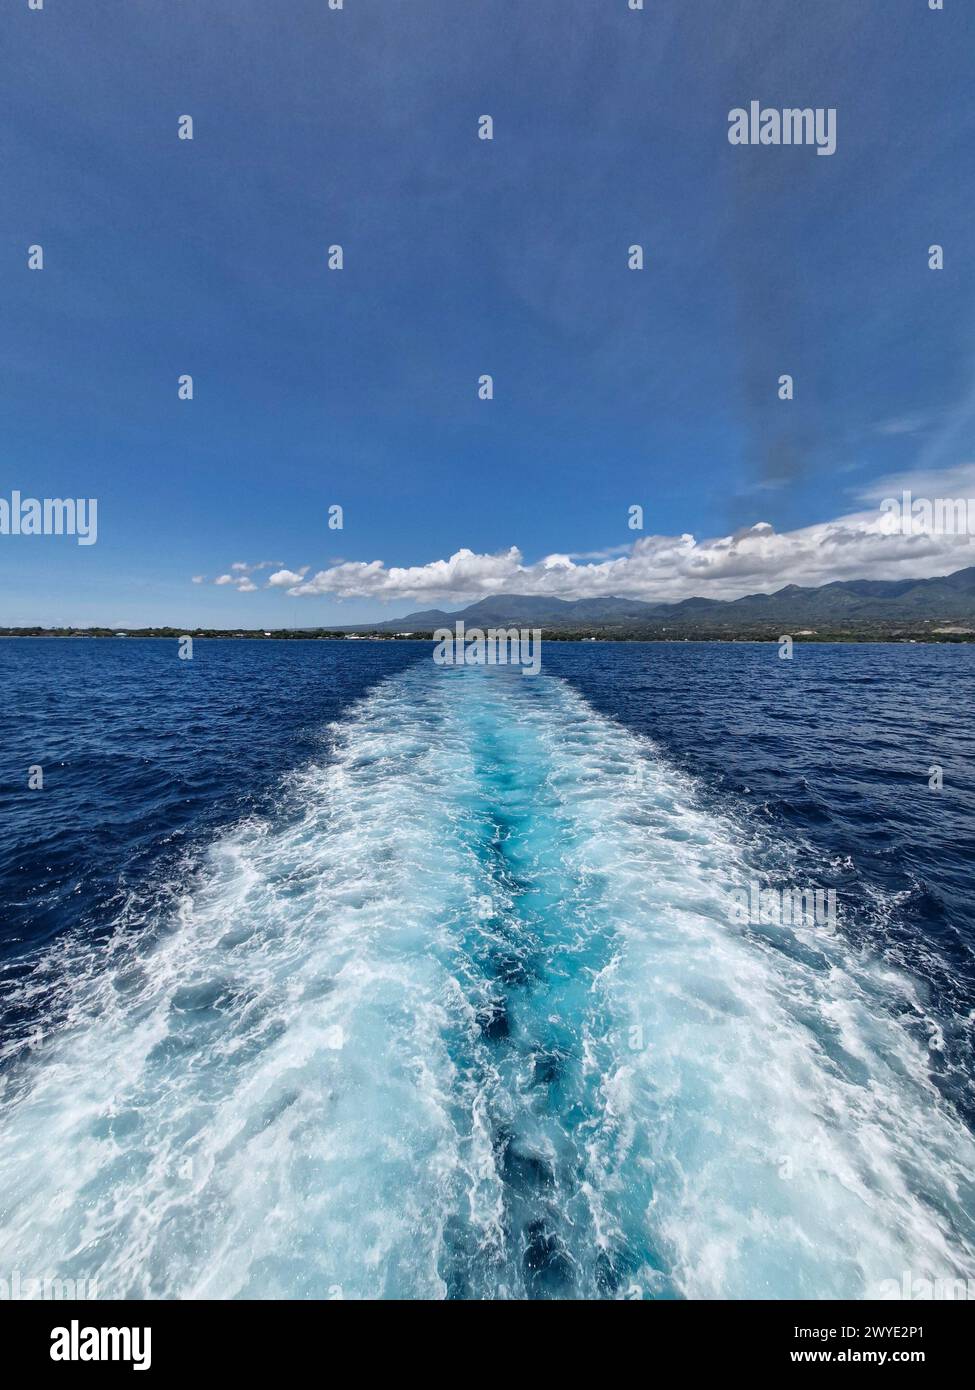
point(947, 598)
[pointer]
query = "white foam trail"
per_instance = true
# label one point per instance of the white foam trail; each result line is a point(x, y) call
point(469, 1019)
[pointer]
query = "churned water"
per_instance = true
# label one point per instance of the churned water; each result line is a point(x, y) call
point(333, 973)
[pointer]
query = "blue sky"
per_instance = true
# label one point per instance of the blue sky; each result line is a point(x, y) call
point(359, 387)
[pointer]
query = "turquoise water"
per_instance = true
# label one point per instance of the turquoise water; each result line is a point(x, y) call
point(468, 1015)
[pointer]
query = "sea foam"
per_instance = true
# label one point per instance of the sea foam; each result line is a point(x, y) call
point(470, 1017)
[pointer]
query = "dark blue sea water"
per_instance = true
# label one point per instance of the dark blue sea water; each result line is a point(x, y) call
point(325, 971)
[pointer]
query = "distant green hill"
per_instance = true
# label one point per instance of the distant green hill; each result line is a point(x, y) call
point(948, 598)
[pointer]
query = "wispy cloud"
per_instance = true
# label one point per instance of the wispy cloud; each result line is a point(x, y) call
point(240, 575)
point(958, 481)
point(901, 424)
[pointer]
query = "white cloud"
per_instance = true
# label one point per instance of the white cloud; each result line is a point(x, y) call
point(665, 568)
point(199, 579)
point(240, 575)
point(756, 559)
point(285, 579)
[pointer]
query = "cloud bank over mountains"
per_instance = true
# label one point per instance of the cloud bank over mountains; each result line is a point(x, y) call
point(866, 544)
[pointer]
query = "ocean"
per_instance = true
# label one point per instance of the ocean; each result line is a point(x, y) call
point(327, 972)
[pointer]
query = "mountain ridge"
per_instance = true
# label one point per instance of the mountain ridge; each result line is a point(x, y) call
point(950, 598)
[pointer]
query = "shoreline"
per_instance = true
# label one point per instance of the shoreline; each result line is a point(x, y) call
point(830, 639)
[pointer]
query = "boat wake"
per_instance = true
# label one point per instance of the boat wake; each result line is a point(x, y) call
point(471, 1018)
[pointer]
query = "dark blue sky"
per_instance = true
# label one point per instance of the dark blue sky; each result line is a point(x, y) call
point(462, 256)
